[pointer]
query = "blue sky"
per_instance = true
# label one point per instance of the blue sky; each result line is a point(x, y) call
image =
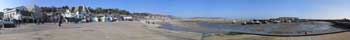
point(211, 8)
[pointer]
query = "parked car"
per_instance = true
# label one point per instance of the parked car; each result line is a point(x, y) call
point(7, 24)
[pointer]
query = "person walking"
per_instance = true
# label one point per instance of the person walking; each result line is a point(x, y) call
point(60, 20)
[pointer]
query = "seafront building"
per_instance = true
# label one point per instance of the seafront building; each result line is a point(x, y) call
point(33, 13)
point(23, 14)
point(12, 14)
point(80, 13)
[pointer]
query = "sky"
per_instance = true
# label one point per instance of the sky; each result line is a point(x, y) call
point(316, 9)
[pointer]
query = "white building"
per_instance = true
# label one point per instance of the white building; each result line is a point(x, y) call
point(82, 12)
point(68, 14)
point(22, 12)
point(12, 14)
point(78, 14)
point(129, 18)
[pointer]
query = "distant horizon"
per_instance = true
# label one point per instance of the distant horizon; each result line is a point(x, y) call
point(252, 9)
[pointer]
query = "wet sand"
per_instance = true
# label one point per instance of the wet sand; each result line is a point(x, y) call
point(337, 36)
point(333, 36)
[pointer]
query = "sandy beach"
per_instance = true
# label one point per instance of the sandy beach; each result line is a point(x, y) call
point(128, 30)
point(133, 30)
